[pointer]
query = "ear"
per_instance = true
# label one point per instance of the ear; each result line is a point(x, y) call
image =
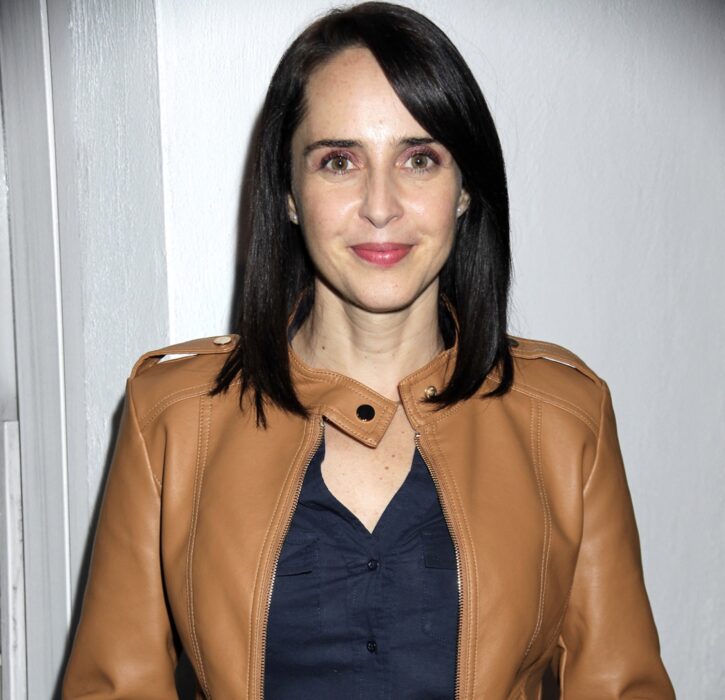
point(292, 210)
point(464, 200)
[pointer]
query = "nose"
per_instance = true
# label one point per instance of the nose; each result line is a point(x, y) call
point(381, 202)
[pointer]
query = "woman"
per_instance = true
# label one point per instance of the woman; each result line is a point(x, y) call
point(370, 491)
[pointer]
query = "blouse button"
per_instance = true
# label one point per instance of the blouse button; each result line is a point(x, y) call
point(372, 646)
point(365, 412)
point(373, 564)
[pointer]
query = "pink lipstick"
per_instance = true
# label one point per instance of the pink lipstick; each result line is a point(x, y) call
point(383, 254)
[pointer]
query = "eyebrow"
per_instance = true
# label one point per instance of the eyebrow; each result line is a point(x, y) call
point(348, 143)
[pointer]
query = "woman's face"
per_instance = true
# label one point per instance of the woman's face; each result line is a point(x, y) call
point(377, 198)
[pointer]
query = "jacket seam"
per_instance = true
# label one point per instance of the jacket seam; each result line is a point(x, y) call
point(201, 453)
point(563, 404)
point(180, 395)
point(170, 399)
point(585, 488)
point(552, 639)
point(132, 408)
point(535, 394)
point(535, 428)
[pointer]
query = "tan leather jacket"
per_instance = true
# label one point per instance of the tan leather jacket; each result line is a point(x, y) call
point(199, 499)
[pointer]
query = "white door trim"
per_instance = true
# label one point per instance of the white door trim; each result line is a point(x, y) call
point(34, 244)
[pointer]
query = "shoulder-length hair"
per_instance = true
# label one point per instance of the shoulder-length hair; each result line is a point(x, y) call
point(437, 87)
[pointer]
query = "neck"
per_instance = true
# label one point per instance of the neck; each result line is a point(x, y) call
point(376, 349)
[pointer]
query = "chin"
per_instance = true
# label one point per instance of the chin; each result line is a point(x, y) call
point(375, 293)
point(381, 300)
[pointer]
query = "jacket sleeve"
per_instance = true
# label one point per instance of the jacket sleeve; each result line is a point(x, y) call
point(124, 646)
point(608, 645)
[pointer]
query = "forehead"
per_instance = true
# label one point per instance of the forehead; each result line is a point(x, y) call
point(349, 96)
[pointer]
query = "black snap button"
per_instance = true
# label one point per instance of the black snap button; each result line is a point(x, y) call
point(373, 564)
point(365, 412)
point(372, 646)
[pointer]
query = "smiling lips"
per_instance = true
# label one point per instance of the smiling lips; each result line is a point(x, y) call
point(383, 254)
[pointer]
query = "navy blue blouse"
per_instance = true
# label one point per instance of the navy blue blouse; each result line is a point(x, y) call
point(360, 615)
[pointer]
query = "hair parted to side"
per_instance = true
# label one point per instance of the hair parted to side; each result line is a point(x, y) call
point(437, 87)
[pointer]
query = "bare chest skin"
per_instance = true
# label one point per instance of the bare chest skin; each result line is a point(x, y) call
point(363, 479)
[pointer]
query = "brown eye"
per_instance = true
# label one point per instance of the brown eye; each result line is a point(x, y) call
point(338, 163)
point(420, 161)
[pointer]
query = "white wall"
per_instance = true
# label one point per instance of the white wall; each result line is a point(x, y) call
point(612, 118)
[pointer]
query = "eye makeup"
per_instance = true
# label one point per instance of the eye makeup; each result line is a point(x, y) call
point(433, 157)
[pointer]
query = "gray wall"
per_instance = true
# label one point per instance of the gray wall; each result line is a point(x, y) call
point(612, 118)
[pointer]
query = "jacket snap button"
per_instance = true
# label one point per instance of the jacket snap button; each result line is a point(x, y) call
point(430, 392)
point(222, 340)
point(365, 412)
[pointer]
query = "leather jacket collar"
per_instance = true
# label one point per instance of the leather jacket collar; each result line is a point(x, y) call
point(339, 398)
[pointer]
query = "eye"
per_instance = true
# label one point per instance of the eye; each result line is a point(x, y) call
point(422, 161)
point(337, 163)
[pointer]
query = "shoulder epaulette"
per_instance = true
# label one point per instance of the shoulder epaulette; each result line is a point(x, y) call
point(534, 349)
point(212, 345)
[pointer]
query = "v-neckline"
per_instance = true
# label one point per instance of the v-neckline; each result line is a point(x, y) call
point(375, 533)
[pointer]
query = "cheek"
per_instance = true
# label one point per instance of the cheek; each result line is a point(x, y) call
point(321, 239)
point(326, 215)
point(435, 201)
point(437, 218)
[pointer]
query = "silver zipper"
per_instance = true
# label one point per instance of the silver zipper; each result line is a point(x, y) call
point(298, 489)
point(446, 515)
